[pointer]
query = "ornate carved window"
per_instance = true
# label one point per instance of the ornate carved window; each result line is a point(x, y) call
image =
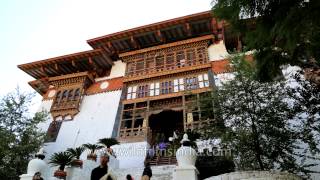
point(154, 89)
point(58, 97)
point(76, 94)
point(69, 94)
point(127, 118)
point(130, 67)
point(178, 85)
point(203, 80)
point(201, 53)
point(150, 64)
point(132, 91)
point(191, 57)
point(166, 87)
point(64, 95)
point(191, 83)
point(53, 131)
point(139, 66)
point(170, 60)
point(181, 58)
point(159, 62)
point(143, 91)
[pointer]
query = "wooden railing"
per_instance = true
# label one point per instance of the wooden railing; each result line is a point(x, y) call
point(165, 67)
point(134, 134)
point(70, 104)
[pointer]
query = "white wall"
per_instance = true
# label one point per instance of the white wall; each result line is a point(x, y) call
point(118, 70)
point(222, 78)
point(94, 121)
point(250, 175)
point(131, 154)
point(217, 51)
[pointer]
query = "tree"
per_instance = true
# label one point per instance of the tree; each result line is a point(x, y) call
point(20, 138)
point(260, 123)
point(281, 31)
point(306, 97)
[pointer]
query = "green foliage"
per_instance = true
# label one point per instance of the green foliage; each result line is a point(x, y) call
point(280, 31)
point(20, 137)
point(76, 152)
point(108, 142)
point(92, 147)
point(261, 125)
point(61, 159)
point(307, 106)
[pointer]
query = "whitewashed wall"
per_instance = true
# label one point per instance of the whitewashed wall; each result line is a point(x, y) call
point(118, 70)
point(258, 175)
point(222, 78)
point(217, 51)
point(131, 155)
point(94, 121)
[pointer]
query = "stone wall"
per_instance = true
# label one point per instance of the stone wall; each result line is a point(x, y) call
point(258, 175)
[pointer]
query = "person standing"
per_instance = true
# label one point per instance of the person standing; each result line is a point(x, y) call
point(147, 172)
point(37, 176)
point(102, 171)
point(129, 177)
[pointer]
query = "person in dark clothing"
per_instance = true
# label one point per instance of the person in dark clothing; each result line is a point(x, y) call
point(101, 170)
point(147, 172)
point(37, 176)
point(129, 177)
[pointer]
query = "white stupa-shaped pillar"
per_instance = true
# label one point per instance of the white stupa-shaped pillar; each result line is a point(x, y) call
point(35, 165)
point(186, 157)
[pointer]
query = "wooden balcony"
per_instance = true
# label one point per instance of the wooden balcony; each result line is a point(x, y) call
point(70, 104)
point(134, 134)
point(165, 70)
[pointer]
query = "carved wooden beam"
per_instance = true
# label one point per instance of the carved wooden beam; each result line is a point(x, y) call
point(188, 29)
point(92, 64)
point(56, 66)
point(111, 47)
point(214, 26)
point(73, 64)
point(106, 48)
point(42, 68)
point(107, 59)
point(134, 42)
point(160, 36)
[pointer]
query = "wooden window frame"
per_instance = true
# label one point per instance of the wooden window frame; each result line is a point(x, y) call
point(191, 85)
point(203, 80)
point(166, 87)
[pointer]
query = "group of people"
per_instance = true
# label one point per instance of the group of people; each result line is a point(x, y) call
point(103, 172)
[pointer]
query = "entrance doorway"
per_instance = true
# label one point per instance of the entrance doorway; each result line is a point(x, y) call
point(163, 125)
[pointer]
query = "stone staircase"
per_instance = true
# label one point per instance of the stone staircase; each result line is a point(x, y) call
point(163, 160)
point(164, 172)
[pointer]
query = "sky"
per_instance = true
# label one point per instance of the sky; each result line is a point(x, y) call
point(32, 30)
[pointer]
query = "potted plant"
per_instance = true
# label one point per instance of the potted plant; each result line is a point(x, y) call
point(92, 147)
point(76, 153)
point(61, 159)
point(108, 142)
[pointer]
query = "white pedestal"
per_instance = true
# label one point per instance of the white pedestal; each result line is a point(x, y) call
point(185, 172)
point(74, 173)
point(26, 177)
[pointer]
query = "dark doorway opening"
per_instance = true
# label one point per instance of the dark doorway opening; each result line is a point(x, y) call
point(163, 125)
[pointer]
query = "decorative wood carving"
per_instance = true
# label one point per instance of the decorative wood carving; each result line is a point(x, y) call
point(69, 91)
point(135, 110)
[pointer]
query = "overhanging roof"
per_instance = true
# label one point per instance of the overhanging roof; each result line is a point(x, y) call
point(92, 60)
point(172, 30)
